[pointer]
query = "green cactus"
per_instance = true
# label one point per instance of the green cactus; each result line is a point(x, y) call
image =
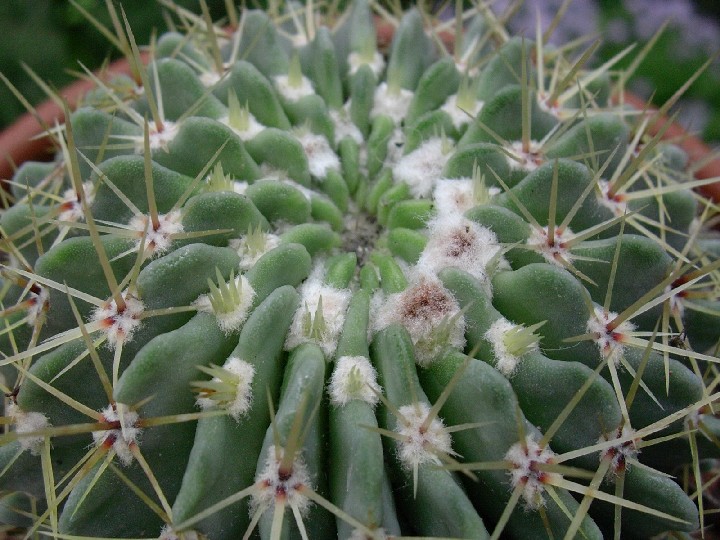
point(298, 287)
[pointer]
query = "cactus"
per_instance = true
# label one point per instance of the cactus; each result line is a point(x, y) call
point(291, 285)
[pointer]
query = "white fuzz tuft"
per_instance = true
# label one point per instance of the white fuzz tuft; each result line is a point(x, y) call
point(507, 361)
point(344, 126)
point(320, 317)
point(610, 342)
point(357, 60)
point(422, 167)
point(167, 533)
point(459, 116)
point(39, 304)
point(123, 436)
point(158, 139)
point(621, 453)
point(157, 240)
point(71, 209)
point(616, 203)
point(518, 158)
point(453, 196)
point(354, 378)
point(525, 458)
point(677, 307)
point(394, 105)
point(286, 488)
point(422, 444)
point(231, 304)
point(240, 186)
point(460, 243)
point(430, 314)
point(321, 158)
point(251, 249)
point(28, 422)
point(293, 93)
point(253, 127)
point(119, 326)
point(236, 381)
point(556, 253)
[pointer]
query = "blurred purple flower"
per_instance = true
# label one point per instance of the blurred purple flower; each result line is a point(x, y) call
point(699, 34)
point(581, 19)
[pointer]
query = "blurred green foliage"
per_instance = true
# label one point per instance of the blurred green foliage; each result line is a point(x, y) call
point(674, 59)
point(52, 36)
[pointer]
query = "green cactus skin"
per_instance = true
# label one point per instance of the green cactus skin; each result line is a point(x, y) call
point(299, 288)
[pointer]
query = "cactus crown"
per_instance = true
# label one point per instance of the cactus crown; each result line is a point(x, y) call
point(286, 282)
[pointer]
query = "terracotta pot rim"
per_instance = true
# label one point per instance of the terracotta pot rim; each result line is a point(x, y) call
point(22, 141)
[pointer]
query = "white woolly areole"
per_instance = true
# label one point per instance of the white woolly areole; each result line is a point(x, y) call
point(157, 139)
point(321, 158)
point(456, 195)
point(28, 422)
point(353, 378)
point(616, 203)
point(211, 77)
point(677, 307)
point(608, 341)
point(242, 375)
point(357, 60)
point(274, 487)
point(253, 128)
point(457, 242)
point(459, 116)
point(119, 326)
point(71, 209)
point(38, 305)
point(121, 438)
point(525, 458)
point(248, 255)
point(506, 361)
point(429, 313)
point(556, 253)
point(453, 195)
point(311, 325)
point(422, 167)
point(344, 126)
point(421, 445)
point(230, 321)
point(293, 93)
point(167, 533)
point(240, 186)
point(621, 453)
point(157, 240)
point(544, 104)
point(394, 105)
point(526, 161)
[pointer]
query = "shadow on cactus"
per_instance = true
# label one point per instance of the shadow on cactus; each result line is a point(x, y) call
point(291, 285)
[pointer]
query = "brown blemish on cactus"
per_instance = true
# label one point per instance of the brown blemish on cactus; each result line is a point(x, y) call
point(460, 242)
point(622, 453)
point(426, 301)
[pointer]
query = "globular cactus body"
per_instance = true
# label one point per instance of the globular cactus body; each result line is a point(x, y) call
point(293, 287)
